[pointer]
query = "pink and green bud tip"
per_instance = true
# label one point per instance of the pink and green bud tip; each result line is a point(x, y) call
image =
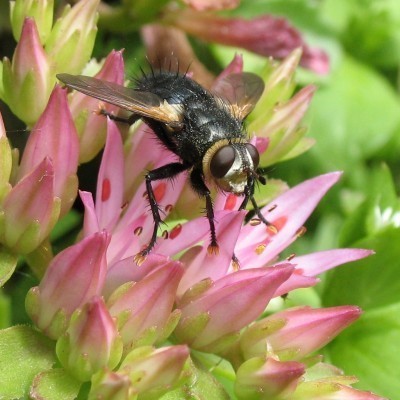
point(91, 341)
point(144, 309)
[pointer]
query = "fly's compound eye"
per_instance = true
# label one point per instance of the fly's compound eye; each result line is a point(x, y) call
point(222, 161)
point(254, 154)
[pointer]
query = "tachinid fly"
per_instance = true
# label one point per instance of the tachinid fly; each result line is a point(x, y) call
point(205, 130)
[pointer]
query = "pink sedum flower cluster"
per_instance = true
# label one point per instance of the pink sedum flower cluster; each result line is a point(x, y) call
point(155, 330)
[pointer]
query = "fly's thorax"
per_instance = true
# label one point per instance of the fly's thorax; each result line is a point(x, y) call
point(230, 164)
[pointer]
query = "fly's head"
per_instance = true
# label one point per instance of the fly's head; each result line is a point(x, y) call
point(231, 165)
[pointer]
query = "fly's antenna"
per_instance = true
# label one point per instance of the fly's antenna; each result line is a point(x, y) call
point(258, 177)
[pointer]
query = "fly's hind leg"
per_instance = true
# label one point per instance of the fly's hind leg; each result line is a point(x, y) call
point(164, 172)
point(197, 181)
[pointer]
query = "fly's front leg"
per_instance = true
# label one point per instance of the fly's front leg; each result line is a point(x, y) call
point(165, 172)
point(200, 188)
point(249, 195)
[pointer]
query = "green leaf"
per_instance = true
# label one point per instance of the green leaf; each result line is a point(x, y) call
point(55, 384)
point(372, 282)
point(363, 220)
point(352, 119)
point(5, 310)
point(24, 354)
point(376, 25)
point(369, 350)
point(8, 262)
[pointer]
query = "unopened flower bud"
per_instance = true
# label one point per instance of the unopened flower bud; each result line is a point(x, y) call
point(91, 342)
point(227, 306)
point(71, 40)
point(260, 378)
point(28, 79)
point(143, 309)
point(30, 210)
point(294, 333)
point(39, 10)
point(73, 277)
point(54, 136)
point(154, 372)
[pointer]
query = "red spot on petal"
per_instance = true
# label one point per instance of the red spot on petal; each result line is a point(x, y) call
point(280, 223)
point(105, 189)
point(159, 191)
point(175, 231)
point(230, 202)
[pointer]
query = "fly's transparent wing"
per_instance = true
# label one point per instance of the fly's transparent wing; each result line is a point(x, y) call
point(240, 92)
point(145, 104)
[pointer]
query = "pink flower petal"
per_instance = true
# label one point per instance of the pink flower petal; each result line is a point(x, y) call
point(316, 263)
point(126, 270)
point(149, 302)
point(183, 236)
point(307, 330)
point(235, 67)
point(232, 302)
point(166, 192)
point(145, 153)
point(90, 222)
point(258, 245)
point(125, 242)
point(200, 265)
point(296, 281)
point(109, 194)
